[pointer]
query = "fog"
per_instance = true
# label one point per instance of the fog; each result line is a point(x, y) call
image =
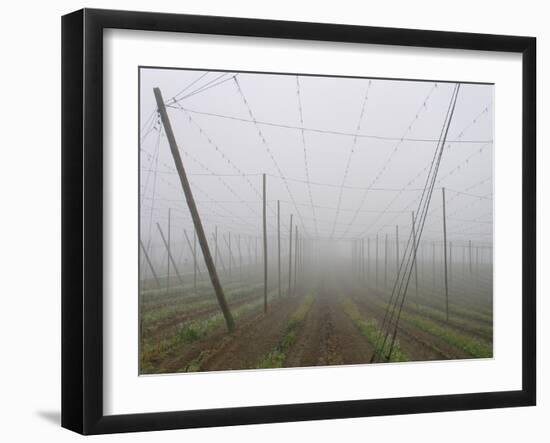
point(348, 158)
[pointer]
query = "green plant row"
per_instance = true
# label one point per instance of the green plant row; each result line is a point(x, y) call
point(276, 358)
point(468, 344)
point(195, 330)
point(370, 329)
point(153, 316)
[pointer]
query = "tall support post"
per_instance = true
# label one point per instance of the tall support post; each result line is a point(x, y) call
point(150, 263)
point(450, 261)
point(353, 258)
point(191, 249)
point(230, 255)
point(230, 323)
point(376, 261)
point(265, 242)
point(296, 243)
point(219, 254)
point(279, 247)
point(249, 255)
point(240, 257)
point(290, 258)
point(433, 263)
point(463, 260)
point(216, 246)
point(386, 262)
point(363, 260)
point(445, 256)
point(301, 254)
point(470, 254)
point(414, 257)
point(368, 259)
point(396, 249)
point(195, 260)
point(170, 256)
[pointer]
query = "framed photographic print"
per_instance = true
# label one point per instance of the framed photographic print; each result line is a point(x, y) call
point(270, 221)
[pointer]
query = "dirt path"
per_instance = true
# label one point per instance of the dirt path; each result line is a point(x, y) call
point(254, 336)
point(245, 348)
point(328, 337)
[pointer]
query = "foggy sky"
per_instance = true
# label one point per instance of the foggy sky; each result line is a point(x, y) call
point(382, 111)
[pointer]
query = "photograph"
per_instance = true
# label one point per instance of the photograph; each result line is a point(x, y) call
point(291, 220)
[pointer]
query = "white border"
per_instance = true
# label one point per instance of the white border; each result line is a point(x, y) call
point(125, 392)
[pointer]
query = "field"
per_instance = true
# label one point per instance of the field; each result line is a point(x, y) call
point(323, 321)
point(293, 220)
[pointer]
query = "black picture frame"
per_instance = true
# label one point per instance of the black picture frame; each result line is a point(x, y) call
point(82, 220)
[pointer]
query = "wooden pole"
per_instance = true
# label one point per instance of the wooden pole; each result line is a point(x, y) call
point(368, 259)
point(363, 260)
point(376, 261)
point(414, 257)
point(450, 261)
point(296, 242)
point(230, 255)
point(195, 260)
point(463, 259)
point(240, 257)
point(396, 249)
point(169, 254)
point(279, 246)
point(170, 257)
point(353, 258)
point(216, 246)
point(433, 262)
point(290, 259)
point(445, 256)
point(217, 249)
point(470, 254)
point(191, 249)
point(249, 254)
point(386, 262)
point(230, 323)
point(265, 242)
point(150, 263)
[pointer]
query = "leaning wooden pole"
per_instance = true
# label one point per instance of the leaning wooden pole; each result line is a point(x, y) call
point(150, 263)
point(230, 323)
point(170, 256)
point(279, 245)
point(265, 242)
point(445, 256)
